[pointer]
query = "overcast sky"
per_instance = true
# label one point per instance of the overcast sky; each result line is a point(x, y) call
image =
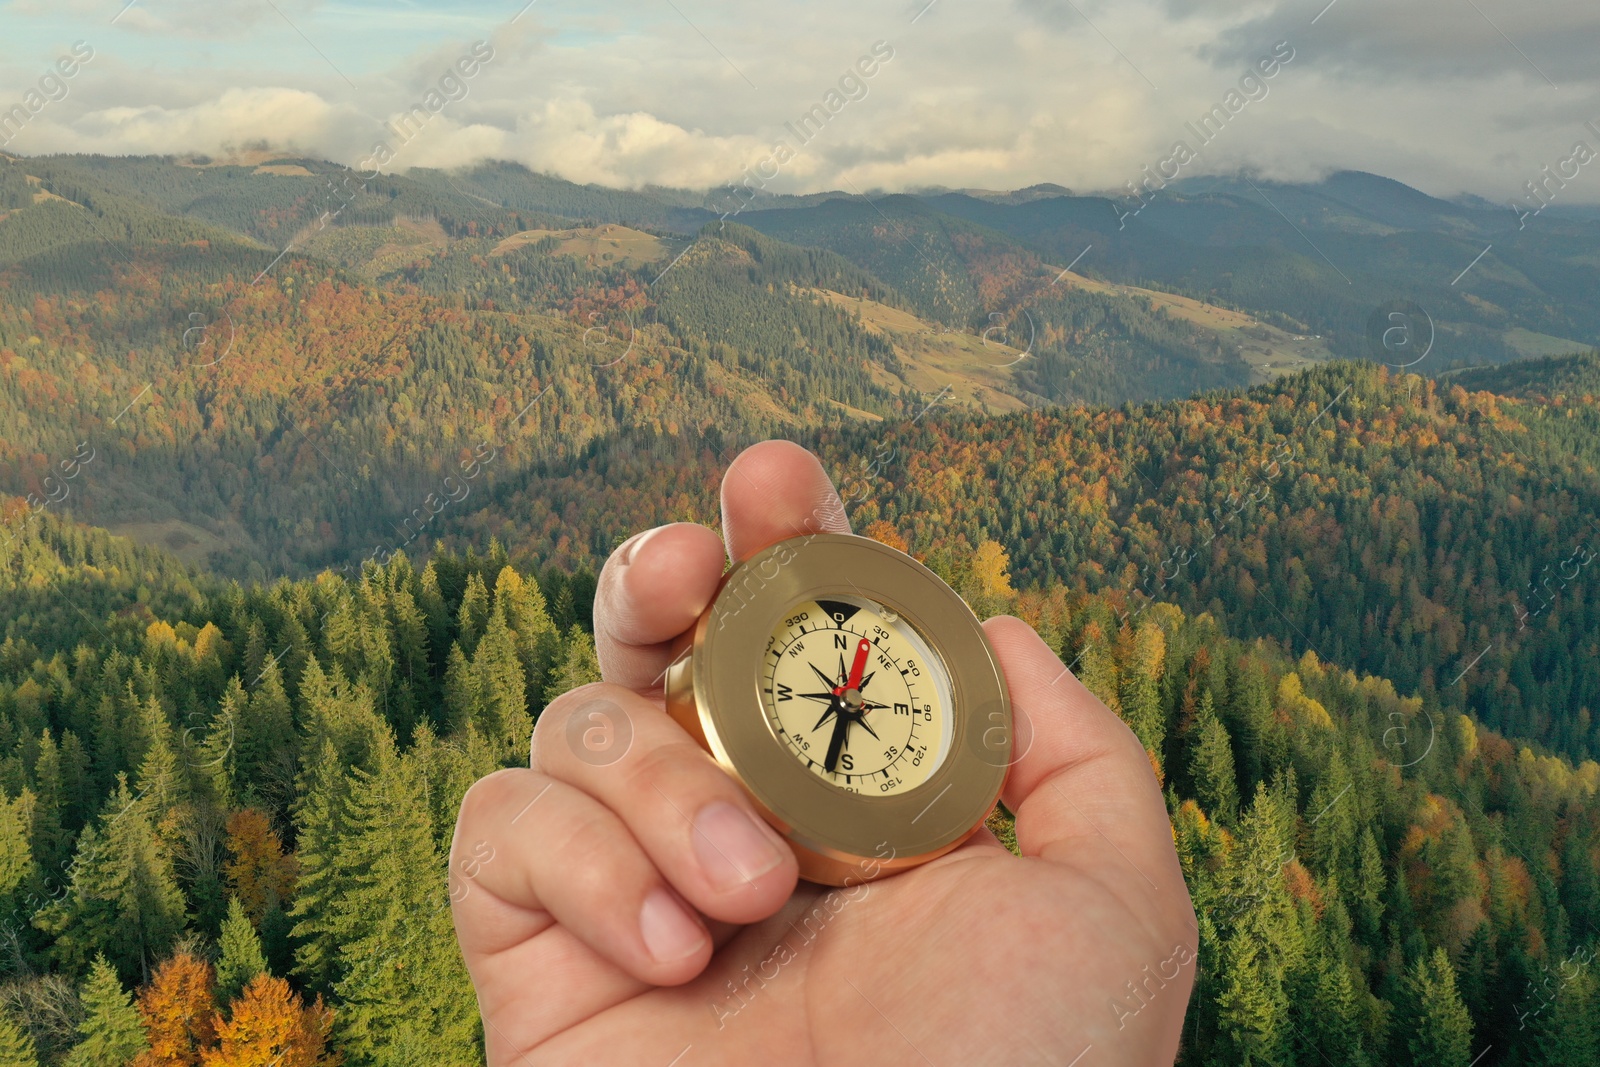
point(1449, 96)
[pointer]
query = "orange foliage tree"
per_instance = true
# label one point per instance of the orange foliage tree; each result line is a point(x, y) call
point(270, 1026)
point(258, 872)
point(177, 1010)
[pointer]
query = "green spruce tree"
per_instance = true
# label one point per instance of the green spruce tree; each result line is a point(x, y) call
point(110, 1034)
point(579, 665)
point(399, 977)
point(1215, 780)
point(16, 1046)
point(242, 957)
point(1441, 1030)
point(124, 899)
point(1569, 1027)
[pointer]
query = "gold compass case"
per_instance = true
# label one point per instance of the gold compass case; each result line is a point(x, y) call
point(846, 835)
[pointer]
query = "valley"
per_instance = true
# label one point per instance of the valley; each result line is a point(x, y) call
point(360, 451)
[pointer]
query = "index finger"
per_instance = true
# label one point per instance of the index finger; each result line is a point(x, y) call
point(656, 584)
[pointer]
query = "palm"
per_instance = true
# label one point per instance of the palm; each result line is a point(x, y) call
point(977, 957)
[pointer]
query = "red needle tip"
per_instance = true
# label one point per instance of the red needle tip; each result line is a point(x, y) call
point(859, 667)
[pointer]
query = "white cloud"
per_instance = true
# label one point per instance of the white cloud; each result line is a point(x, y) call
point(977, 94)
point(280, 116)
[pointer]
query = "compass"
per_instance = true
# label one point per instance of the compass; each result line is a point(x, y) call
point(854, 696)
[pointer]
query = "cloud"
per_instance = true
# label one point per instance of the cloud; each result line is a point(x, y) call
point(568, 138)
point(285, 117)
point(1004, 94)
point(1425, 41)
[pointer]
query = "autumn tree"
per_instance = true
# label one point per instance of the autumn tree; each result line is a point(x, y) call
point(268, 1025)
point(259, 875)
point(177, 1009)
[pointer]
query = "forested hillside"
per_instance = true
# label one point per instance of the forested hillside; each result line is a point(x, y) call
point(1568, 380)
point(227, 808)
point(1383, 521)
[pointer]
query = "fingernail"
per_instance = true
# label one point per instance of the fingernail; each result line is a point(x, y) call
point(670, 932)
point(731, 848)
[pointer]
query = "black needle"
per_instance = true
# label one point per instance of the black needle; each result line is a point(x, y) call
point(841, 726)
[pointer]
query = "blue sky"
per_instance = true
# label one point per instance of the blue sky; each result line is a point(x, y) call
point(1448, 95)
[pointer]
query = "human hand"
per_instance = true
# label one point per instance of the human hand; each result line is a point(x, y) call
point(638, 911)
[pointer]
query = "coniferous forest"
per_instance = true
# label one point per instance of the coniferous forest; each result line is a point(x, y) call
point(294, 549)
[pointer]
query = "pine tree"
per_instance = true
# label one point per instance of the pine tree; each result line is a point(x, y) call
point(1333, 826)
point(1370, 888)
point(1327, 1006)
point(16, 852)
point(177, 1011)
point(217, 762)
point(123, 900)
point(459, 693)
point(1144, 658)
point(1215, 780)
point(499, 704)
point(266, 745)
point(579, 665)
point(435, 612)
point(400, 977)
point(538, 642)
point(48, 840)
point(111, 1034)
point(335, 710)
point(1263, 939)
point(473, 615)
point(270, 1026)
point(242, 956)
point(319, 820)
point(415, 671)
point(1569, 1027)
point(160, 781)
point(16, 1046)
point(1441, 1029)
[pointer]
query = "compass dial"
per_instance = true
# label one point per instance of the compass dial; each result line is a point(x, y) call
point(857, 695)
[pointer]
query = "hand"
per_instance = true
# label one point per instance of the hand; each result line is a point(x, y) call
point(639, 913)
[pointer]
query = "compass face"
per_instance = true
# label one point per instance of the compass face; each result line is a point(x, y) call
point(857, 695)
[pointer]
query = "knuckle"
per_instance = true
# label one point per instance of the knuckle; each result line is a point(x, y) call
point(488, 795)
point(549, 746)
point(670, 769)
